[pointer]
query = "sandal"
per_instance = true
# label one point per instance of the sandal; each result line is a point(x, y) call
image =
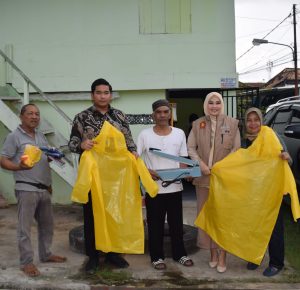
point(56, 259)
point(30, 270)
point(159, 264)
point(186, 261)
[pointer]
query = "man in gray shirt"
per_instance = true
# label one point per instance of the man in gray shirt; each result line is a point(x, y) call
point(33, 190)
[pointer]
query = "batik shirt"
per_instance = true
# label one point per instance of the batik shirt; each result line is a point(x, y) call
point(88, 124)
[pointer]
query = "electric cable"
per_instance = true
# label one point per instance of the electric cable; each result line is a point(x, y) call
point(265, 36)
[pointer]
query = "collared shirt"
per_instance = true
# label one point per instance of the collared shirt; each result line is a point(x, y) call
point(88, 124)
point(13, 148)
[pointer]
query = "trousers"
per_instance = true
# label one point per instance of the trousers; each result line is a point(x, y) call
point(89, 230)
point(169, 204)
point(276, 244)
point(34, 205)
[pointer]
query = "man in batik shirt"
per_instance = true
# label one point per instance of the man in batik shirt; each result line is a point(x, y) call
point(86, 126)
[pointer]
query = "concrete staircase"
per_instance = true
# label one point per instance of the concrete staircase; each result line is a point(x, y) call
point(10, 104)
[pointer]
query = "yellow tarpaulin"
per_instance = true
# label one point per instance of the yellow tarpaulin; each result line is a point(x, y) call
point(246, 190)
point(112, 174)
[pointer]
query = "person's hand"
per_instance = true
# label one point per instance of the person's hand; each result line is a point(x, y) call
point(87, 144)
point(154, 175)
point(23, 165)
point(136, 155)
point(204, 168)
point(285, 156)
point(189, 178)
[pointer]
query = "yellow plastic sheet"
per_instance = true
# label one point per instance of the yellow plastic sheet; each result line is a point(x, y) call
point(246, 190)
point(112, 173)
point(31, 155)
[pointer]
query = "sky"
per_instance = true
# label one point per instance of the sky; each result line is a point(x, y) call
point(262, 19)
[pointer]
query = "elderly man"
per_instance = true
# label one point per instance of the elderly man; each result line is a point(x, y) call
point(168, 202)
point(33, 190)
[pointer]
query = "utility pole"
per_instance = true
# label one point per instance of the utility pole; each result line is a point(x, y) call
point(270, 65)
point(295, 52)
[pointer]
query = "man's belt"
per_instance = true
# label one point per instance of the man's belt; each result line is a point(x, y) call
point(37, 185)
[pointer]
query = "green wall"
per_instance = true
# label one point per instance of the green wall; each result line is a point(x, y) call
point(130, 102)
point(6, 177)
point(78, 41)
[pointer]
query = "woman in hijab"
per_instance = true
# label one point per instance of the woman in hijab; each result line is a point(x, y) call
point(212, 138)
point(253, 123)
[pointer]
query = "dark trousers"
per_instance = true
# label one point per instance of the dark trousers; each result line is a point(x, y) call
point(89, 231)
point(157, 208)
point(276, 244)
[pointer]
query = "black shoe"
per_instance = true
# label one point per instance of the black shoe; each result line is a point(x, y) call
point(251, 266)
point(271, 271)
point(91, 265)
point(116, 260)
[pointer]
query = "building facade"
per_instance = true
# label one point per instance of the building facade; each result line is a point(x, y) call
point(147, 49)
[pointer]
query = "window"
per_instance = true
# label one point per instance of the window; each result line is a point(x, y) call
point(296, 117)
point(281, 120)
point(268, 116)
point(165, 16)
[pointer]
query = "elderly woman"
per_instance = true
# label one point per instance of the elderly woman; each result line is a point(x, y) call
point(212, 138)
point(253, 123)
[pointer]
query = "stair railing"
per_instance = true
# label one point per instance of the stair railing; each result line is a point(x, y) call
point(27, 82)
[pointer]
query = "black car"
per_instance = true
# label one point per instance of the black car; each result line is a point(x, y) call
point(284, 118)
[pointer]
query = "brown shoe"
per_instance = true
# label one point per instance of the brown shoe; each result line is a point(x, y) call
point(56, 259)
point(30, 270)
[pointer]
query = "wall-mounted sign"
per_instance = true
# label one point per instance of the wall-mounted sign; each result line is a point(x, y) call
point(228, 83)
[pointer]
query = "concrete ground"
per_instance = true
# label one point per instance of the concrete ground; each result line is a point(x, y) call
point(143, 276)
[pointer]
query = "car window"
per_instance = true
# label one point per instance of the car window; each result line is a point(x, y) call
point(280, 121)
point(268, 116)
point(295, 117)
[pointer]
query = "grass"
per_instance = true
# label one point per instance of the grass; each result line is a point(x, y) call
point(105, 276)
point(292, 240)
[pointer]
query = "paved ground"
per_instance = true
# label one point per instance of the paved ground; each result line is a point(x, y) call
point(63, 276)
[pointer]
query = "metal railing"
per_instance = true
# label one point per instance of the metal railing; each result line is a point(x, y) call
point(35, 87)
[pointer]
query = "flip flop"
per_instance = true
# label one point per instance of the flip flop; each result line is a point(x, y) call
point(186, 261)
point(30, 270)
point(159, 264)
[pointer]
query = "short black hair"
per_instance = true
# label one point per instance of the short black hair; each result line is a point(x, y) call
point(100, 82)
point(23, 109)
